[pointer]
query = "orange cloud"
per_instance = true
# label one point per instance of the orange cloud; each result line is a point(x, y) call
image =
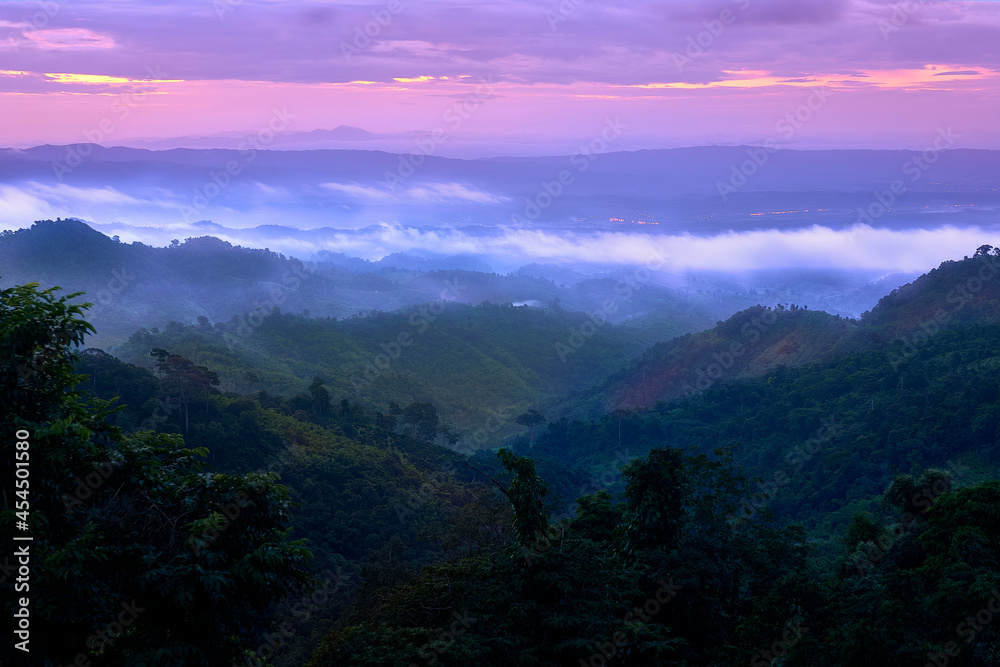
point(66, 77)
point(929, 76)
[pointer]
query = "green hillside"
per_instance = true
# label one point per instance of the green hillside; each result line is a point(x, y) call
point(746, 345)
point(755, 341)
point(480, 366)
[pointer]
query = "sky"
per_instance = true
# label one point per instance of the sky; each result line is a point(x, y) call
point(510, 77)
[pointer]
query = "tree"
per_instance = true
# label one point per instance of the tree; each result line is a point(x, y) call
point(915, 497)
point(128, 526)
point(423, 418)
point(596, 516)
point(655, 494)
point(320, 398)
point(181, 377)
point(98, 361)
point(395, 411)
point(531, 419)
point(161, 358)
point(526, 494)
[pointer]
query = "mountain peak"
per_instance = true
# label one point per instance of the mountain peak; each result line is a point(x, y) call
point(958, 290)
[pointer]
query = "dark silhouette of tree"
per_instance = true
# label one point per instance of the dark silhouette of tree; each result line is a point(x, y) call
point(526, 494)
point(531, 419)
point(161, 357)
point(181, 377)
point(656, 490)
point(320, 399)
point(423, 419)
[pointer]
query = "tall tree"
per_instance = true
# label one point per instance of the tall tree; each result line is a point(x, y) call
point(320, 398)
point(527, 496)
point(531, 419)
point(423, 417)
point(181, 377)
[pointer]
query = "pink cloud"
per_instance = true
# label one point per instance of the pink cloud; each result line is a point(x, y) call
point(69, 38)
point(556, 79)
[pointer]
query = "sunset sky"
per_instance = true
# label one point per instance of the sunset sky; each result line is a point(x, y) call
point(505, 77)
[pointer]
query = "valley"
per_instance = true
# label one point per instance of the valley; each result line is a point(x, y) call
point(518, 451)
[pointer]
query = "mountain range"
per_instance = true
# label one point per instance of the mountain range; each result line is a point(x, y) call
point(703, 190)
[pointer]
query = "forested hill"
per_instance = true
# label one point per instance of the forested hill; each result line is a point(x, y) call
point(134, 285)
point(746, 345)
point(962, 291)
point(480, 366)
point(760, 339)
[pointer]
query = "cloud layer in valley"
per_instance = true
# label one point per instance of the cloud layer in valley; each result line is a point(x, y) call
point(859, 248)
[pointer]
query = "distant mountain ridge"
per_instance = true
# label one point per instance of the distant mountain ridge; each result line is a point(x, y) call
point(693, 170)
point(701, 190)
point(301, 140)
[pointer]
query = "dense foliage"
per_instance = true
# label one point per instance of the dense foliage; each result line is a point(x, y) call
point(830, 499)
point(480, 366)
point(126, 526)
